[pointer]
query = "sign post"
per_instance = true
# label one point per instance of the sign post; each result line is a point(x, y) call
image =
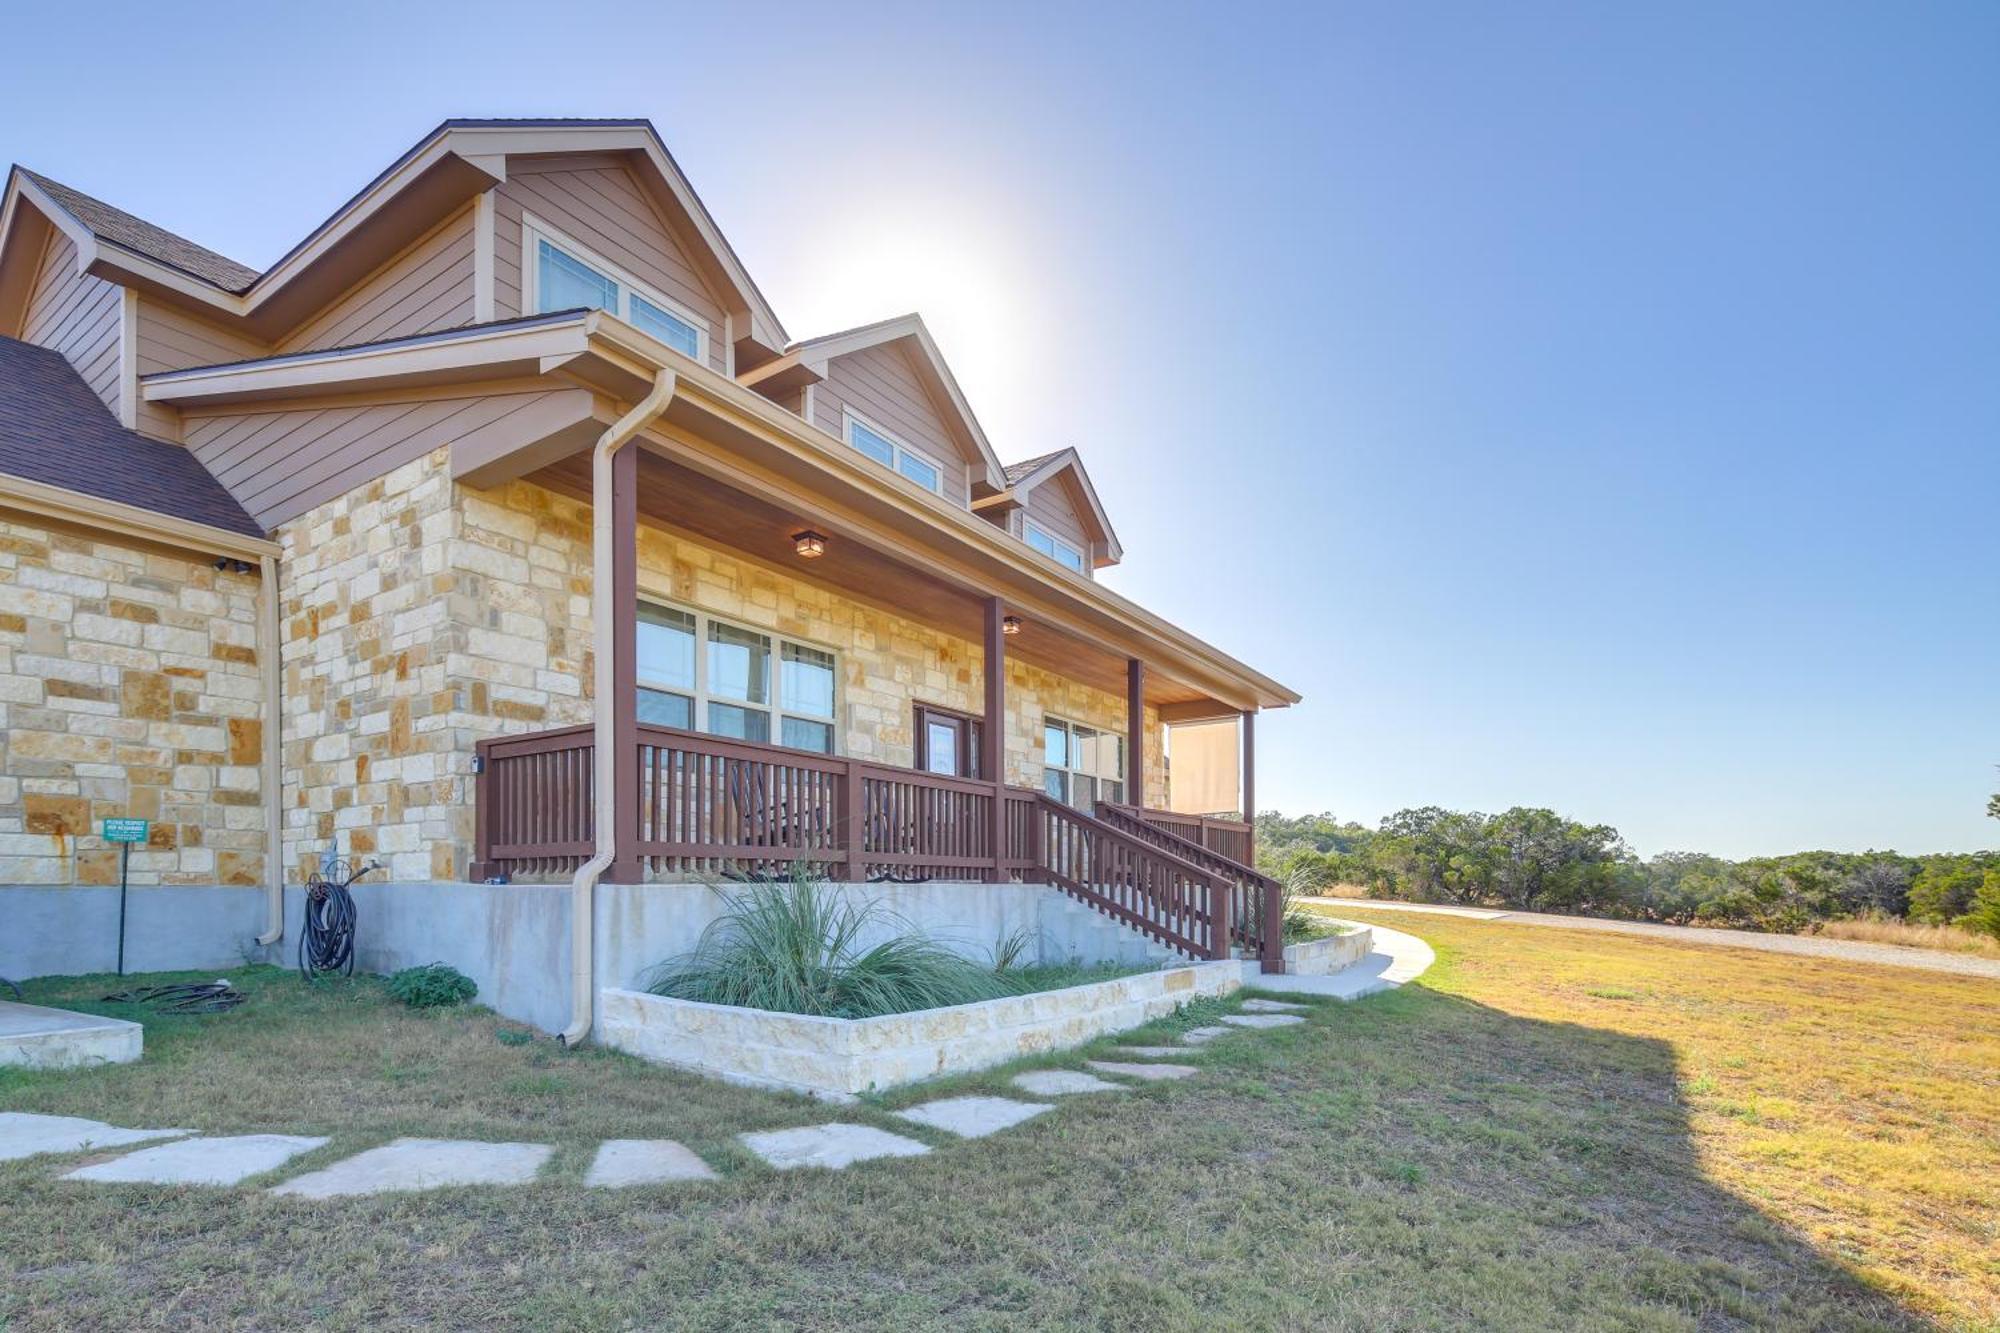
point(124, 832)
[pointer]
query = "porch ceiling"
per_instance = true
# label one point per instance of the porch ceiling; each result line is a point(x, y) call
point(674, 496)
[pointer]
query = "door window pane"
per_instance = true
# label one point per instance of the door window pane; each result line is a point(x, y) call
point(743, 724)
point(566, 283)
point(739, 664)
point(941, 747)
point(666, 647)
point(807, 682)
point(661, 709)
point(804, 734)
point(669, 328)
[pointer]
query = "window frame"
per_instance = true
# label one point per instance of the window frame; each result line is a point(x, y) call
point(849, 418)
point(1082, 565)
point(1069, 770)
point(533, 229)
point(776, 708)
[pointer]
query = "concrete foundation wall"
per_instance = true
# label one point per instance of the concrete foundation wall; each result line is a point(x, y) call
point(511, 939)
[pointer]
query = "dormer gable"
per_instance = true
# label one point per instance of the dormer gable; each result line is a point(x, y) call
point(1051, 504)
point(886, 390)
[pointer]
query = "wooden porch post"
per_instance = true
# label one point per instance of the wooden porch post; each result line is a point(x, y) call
point(993, 731)
point(1250, 783)
point(624, 650)
point(1135, 733)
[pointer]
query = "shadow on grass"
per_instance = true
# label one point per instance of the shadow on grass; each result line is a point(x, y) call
point(1415, 1160)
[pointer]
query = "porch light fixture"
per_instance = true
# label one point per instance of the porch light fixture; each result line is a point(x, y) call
point(1010, 624)
point(809, 544)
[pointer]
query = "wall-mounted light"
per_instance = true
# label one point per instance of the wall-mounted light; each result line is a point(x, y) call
point(1010, 624)
point(809, 544)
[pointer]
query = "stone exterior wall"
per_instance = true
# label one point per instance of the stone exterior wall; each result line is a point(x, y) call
point(421, 616)
point(129, 686)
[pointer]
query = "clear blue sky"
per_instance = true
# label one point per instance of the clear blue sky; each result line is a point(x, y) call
point(1590, 405)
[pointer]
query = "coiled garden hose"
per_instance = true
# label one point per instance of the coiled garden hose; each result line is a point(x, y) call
point(326, 945)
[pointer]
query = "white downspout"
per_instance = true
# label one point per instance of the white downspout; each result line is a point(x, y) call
point(274, 775)
point(603, 618)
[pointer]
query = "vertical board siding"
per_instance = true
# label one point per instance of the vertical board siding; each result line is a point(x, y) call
point(598, 203)
point(426, 288)
point(882, 385)
point(280, 464)
point(78, 315)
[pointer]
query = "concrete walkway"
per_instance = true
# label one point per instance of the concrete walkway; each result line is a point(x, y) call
point(1393, 958)
point(1806, 946)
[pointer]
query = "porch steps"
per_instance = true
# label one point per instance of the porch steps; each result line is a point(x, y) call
point(1075, 929)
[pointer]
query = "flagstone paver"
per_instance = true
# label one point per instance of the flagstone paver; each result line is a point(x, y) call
point(1149, 1073)
point(1063, 1083)
point(1261, 1020)
point(974, 1117)
point(622, 1162)
point(223, 1160)
point(1203, 1035)
point(1275, 1007)
point(1152, 1052)
point(23, 1134)
point(422, 1164)
point(834, 1146)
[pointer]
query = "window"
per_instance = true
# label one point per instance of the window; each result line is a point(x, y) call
point(1082, 766)
point(699, 673)
point(891, 452)
point(1054, 547)
point(565, 276)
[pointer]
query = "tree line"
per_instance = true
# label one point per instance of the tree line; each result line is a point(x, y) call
point(1538, 860)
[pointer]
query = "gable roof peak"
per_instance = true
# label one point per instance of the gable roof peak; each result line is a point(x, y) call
point(130, 232)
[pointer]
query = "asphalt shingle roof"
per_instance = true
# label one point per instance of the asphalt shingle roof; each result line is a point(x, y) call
point(54, 429)
point(1016, 471)
point(138, 235)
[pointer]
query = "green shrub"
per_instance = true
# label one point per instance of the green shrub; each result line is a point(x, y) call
point(796, 949)
point(432, 986)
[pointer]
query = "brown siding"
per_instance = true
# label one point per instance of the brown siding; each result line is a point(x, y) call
point(171, 339)
point(426, 288)
point(78, 315)
point(1053, 509)
point(280, 464)
point(598, 203)
point(881, 385)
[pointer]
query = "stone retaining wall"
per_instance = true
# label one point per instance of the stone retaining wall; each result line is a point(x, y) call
point(1323, 957)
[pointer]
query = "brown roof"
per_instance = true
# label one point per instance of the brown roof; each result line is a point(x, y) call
point(142, 237)
point(1016, 471)
point(54, 429)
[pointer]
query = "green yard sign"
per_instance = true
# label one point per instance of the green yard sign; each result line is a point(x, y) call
point(126, 830)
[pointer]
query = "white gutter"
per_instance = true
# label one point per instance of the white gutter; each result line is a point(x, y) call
point(603, 620)
point(274, 774)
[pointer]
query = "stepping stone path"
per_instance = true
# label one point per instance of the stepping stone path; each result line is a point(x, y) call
point(1261, 1020)
point(1148, 1073)
point(1062, 1083)
point(974, 1117)
point(217, 1161)
point(1274, 1007)
point(832, 1146)
point(1151, 1052)
point(422, 1164)
point(622, 1162)
point(1202, 1036)
point(26, 1135)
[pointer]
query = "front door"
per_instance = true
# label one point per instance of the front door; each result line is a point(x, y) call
point(947, 742)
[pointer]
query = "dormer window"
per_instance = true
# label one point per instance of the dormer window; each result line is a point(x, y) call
point(565, 276)
point(892, 453)
point(1052, 546)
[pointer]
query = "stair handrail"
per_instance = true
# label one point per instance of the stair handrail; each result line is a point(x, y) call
point(1217, 913)
point(1268, 943)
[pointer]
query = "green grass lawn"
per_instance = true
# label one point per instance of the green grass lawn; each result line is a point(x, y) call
point(1554, 1131)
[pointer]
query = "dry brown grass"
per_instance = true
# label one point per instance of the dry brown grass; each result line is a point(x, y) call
point(1883, 930)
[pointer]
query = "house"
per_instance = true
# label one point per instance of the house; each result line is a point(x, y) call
point(363, 553)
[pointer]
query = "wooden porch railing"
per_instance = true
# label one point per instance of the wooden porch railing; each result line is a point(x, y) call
point(709, 805)
point(1258, 909)
point(1229, 837)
